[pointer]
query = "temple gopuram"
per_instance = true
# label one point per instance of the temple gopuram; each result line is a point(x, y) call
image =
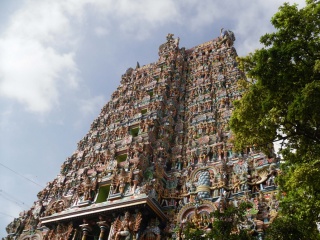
point(158, 156)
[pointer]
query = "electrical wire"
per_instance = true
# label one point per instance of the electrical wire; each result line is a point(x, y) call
point(6, 214)
point(11, 198)
point(21, 175)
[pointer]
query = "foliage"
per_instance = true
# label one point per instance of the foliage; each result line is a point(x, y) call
point(281, 101)
point(225, 225)
point(192, 233)
point(284, 228)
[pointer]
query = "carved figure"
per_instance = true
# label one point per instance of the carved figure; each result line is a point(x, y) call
point(152, 232)
point(127, 226)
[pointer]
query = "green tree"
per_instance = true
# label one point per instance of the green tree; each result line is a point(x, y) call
point(284, 228)
point(192, 233)
point(226, 225)
point(281, 101)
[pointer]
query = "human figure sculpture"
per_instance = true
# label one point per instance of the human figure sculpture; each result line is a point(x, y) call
point(236, 184)
point(125, 228)
point(122, 185)
point(152, 232)
point(124, 231)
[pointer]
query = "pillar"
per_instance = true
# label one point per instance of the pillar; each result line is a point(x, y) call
point(104, 227)
point(86, 229)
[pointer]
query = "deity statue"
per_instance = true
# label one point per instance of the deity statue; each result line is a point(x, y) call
point(152, 232)
point(123, 229)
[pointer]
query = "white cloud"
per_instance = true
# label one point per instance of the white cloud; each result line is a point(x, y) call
point(5, 117)
point(249, 20)
point(39, 45)
point(101, 31)
point(89, 109)
point(254, 22)
point(137, 18)
point(34, 61)
point(89, 106)
point(30, 71)
point(197, 14)
point(301, 3)
point(31, 63)
point(42, 21)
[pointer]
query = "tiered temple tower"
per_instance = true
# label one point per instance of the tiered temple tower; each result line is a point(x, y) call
point(158, 155)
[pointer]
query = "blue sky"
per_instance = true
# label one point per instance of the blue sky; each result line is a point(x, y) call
point(61, 60)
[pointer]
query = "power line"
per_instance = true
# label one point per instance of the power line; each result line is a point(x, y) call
point(21, 175)
point(11, 198)
point(6, 214)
